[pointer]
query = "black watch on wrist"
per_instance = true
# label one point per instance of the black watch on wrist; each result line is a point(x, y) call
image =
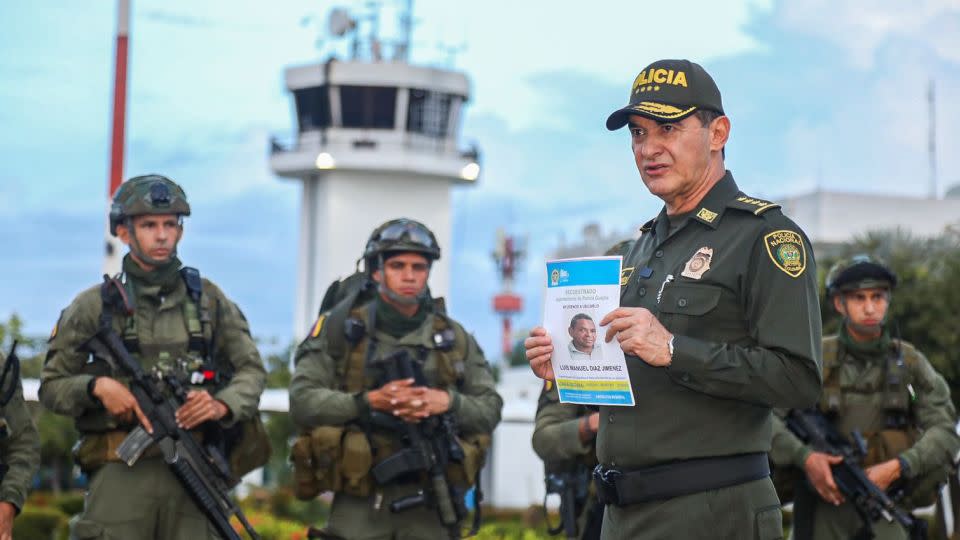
point(904, 467)
point(90, 386)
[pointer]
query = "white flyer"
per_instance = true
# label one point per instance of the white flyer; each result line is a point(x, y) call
point(588, 370)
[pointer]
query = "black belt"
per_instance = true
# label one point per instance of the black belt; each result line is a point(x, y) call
point(621, 488)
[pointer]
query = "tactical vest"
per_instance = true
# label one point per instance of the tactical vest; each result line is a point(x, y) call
point(246, 443)
point(340, 458)
point(898, 429)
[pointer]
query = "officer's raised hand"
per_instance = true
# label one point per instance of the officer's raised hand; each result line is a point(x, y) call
point(119, 402)
point(539, 352)
point(817, 467)
point(199, 407)
point(640, 334)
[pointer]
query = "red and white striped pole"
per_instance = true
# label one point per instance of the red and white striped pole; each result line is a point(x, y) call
point(112, 257)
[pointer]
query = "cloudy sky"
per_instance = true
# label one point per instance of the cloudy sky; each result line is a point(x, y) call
point(829, 94)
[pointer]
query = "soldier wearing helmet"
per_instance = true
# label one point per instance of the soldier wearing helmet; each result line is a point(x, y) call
point(886, 389)
point(342, 389)
point(175, 322)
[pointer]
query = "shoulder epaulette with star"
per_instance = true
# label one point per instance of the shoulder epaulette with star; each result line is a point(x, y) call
point(648, 226)
point(752, 205)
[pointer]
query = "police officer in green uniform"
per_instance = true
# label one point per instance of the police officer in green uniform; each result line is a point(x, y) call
point(19, 450)
point(719, 322)
point(341, 386)
point(884, 388)
point(180, 322)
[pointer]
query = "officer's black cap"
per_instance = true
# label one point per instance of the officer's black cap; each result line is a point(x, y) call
point(669, 90)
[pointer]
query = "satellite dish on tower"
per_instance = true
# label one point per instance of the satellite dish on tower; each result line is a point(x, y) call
point(340, 22)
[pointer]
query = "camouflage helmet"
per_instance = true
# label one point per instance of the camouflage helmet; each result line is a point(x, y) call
point(401, 235)
point(859, 272)
point(148, 194)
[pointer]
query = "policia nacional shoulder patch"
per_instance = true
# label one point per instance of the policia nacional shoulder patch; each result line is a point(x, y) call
point(787, 252)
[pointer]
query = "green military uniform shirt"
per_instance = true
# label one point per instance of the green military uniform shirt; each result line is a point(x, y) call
point(861, 379)
point(19, 449)
point(556, 432)
point(735, 282)
point(162, 331)
point(317, 397)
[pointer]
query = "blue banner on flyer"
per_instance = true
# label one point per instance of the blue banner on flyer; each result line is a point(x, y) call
point(578, 272)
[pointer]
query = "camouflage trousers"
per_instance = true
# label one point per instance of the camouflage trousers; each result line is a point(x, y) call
point(744, 512)
point(143, 502)
point(358, 518)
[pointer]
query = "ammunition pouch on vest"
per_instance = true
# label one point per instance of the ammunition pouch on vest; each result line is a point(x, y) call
point(464, 474)
point(249, 448)
point(332, 458)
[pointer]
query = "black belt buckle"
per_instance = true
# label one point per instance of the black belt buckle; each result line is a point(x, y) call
point(605, 481)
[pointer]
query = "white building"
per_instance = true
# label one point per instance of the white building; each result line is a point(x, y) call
point(832, 218)
point(375, 141)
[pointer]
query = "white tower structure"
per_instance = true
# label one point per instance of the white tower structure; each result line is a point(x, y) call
point(376, 140)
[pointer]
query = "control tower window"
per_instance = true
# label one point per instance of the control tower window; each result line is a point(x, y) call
point(313, 108)
point(368, 106)
point(429, 112)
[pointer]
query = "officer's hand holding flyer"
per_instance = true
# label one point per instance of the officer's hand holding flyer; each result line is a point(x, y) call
point(579, 293)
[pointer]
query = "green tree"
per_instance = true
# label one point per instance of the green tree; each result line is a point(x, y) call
point(925, 303)
point(280, 428)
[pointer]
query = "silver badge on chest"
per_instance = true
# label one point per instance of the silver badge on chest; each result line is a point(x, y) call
point(698, 264)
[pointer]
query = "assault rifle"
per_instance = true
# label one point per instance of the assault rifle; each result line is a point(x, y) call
point(573, 487)
point(429, 446)
point(201, 469)
point(871, 503)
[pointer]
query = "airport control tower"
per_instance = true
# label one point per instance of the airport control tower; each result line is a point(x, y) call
point(377, 138)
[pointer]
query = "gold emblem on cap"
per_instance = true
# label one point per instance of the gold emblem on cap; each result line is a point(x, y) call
point(707, 215)
point(698, 264)
point(662, 110)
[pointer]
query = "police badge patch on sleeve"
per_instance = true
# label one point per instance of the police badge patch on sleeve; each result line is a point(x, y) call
point(787, 252)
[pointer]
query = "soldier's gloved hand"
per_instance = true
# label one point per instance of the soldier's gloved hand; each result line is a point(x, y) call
point(119, 401)
point(640, 334)
point(884, 474)
point(817, 467)
point(7, 513)
point(387, 397)
point(199, 408)
point(539, 352)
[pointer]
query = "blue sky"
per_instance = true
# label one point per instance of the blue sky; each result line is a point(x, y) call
point(820, 93)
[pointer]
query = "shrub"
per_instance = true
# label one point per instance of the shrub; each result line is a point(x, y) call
point(40, 523)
